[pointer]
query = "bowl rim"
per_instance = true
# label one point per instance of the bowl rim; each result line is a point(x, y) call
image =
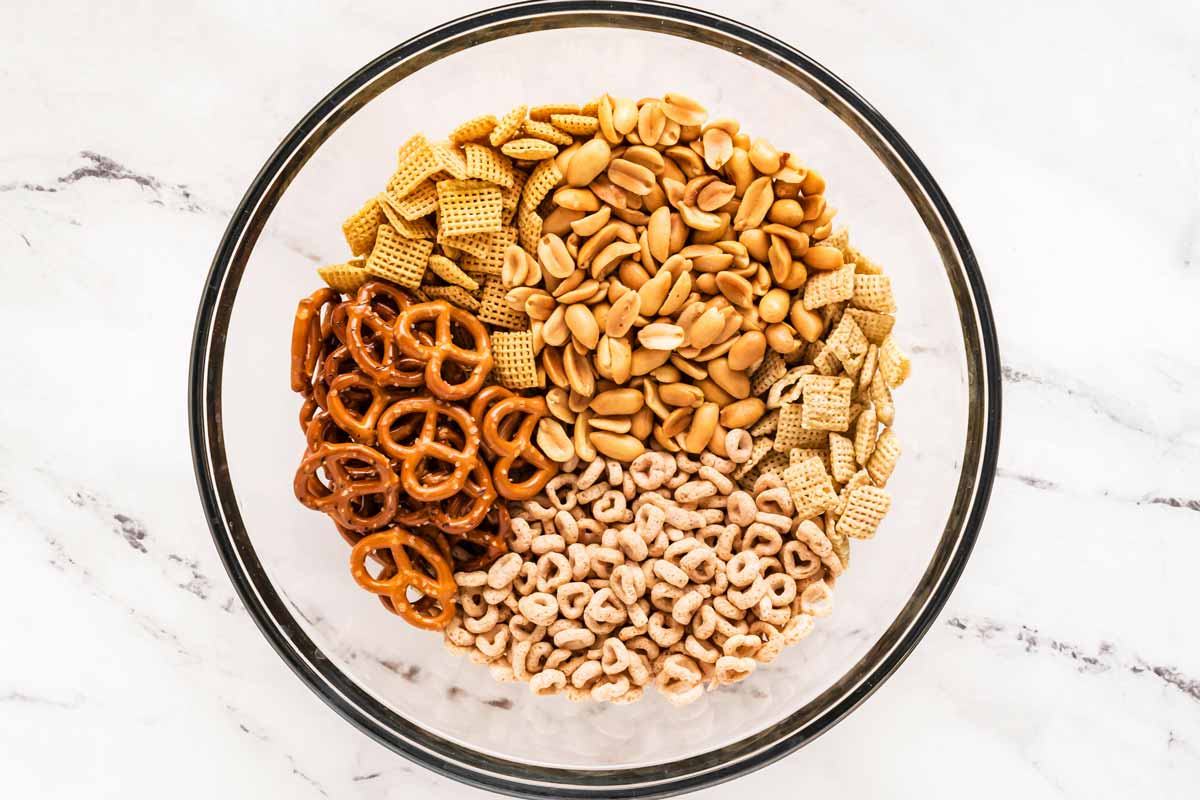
point(409, 739)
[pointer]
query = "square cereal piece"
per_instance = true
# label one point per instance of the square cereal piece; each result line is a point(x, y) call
point(825, 362)
point(791, 432)
point(508, 126)
point(798, 455)
point(874, 293)
point(839, 239)
point(486, 253)
point(881, 398)
point(831, 315)
point(345, 278)
point(826, 405)
point(486, 164)
point(547, 132)
point(762, 446)
point(894, 365)
point(865, 509)
point(862, 264)
point(529, 226)
point(875, 326)
point(473, 129)
point(510, 196)
point(451, 159)
point(841, 457)
point(771, 370)
point(849, 345)
point(823, 288)
point(789, 387)
point(860, 478)
point(529, 149)
point(841, 545)
point(399, 260)
point(575, 124)
point(416, 162)
point(543, 113)
point(448, 271)
point(419, 228)
point(542, 180)
point(883, 460)
point(515, 367)
point(772, 461)
point(359, 229)
point(867, 372)
point(766, 425)
point(453, 294)
point(468, 207)
point(477, 244)
point(496, 312)
point(810, 487)
point(866, 428)
point(418, 203)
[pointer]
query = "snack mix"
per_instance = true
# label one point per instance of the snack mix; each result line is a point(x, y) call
point(602, 396)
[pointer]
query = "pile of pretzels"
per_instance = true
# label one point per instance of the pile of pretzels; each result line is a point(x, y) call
point(408, 448)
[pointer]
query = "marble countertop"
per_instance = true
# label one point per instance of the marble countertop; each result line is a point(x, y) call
point(1067, 662)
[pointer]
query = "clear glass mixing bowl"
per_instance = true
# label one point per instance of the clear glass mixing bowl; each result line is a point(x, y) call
point(397, 684)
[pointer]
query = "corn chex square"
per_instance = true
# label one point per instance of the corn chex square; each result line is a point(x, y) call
point(810, 487)
point(770, 370)
point(399, 260)
point(468, 207)
point(865, 509)
point(848, 344)
point(419, 202)
point(473, 129)
point(453, 294)
point(345, 278)
point(415, 163)
point(495, 311)
point(875, 326)
point(823, 288)
point(826, 405)
point(419, 228)
point(515, 366)
point(360, 228)
point(792, 433)
point(874, 293)
point(883, 461)
point(486, 164)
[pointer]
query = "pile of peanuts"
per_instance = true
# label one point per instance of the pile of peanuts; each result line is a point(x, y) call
point(661, 572)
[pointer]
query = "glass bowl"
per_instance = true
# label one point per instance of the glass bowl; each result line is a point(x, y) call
point(398, 684)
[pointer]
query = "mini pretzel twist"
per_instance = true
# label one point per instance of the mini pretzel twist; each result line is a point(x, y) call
point(412, 457)
point(307, 337)
point(430, 577)
point(475, 360)
point(517, 446)
point(357, 474)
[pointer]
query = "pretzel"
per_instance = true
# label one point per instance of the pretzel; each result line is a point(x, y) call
point(360, 426)
point(476, 361)
point(478, 548)
point(435, 608)
point(511, 446)
point(349, 483)
point(306, 336)
point(463, 512)
point(370, 342)
point(427, 446)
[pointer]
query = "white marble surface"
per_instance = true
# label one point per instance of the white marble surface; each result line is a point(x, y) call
point(1067, 663)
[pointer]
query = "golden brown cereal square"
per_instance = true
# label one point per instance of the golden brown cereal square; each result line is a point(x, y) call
point(863, 264)
point(770, 370)
point(839, 239)
point(468, 207)
point(450, 159)
point(511, 195)
point(529, 149)
point(484, 252)
point(874, 293)
point(542, 180)
point(450, 272)
point(418, 203)
point(359, 229)
point(486, 164)
point(881, 397)
point(547, 132)
point(826, 405)
point(865, 509)
point(893, 363)
point(823, 288)
point(542, 113)
point(791, 432)
point(419, 228)
point(761, 447)
point(767, 425)
point(473, 129)
point(841, 457)
point(810, 487)
point(772, 461)
point(848, 344)
point(575, 124)
point(866, 427)
point(345, 278)
point(529, 227)
point(798, 455)
point(454, 294)
point(841, 544)
point(416, 162)
point(495, 311)
point(883, 460)
point(826, 362)
point(875, 326)
point(399, 260)
point(515, 367)
point(860, 478)
point(508, 126)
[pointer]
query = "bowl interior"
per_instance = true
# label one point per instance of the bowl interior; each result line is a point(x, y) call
point(408, 671)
